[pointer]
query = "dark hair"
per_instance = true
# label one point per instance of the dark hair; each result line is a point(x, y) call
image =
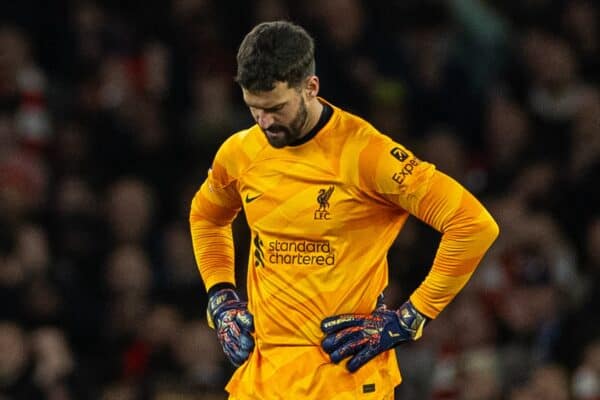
point(278, 51)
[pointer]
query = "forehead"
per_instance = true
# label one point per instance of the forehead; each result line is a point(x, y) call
point(266, 99)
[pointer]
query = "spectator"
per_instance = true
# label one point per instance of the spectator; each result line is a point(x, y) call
point(17, 364)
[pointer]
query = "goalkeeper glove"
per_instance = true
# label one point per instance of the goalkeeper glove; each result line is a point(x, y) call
point(234, 324)
point(365, 336)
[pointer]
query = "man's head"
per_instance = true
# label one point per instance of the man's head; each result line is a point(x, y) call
point(276, 70)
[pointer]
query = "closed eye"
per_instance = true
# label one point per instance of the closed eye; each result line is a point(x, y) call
point(274, 109)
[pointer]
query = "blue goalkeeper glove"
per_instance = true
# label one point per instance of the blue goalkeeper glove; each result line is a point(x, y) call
point(234, 324)
point(365, 336)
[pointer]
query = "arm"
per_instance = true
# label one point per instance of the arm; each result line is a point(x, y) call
point(213, 209)
point(212, 239)
point(468, 230)
point(393, 174)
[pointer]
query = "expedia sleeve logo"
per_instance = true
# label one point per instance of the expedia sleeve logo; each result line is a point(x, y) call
point(407, 171)
point(323, 199)
point(399, 154)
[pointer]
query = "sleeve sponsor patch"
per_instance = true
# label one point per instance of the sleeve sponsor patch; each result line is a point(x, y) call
point(405, 172)
point(399, 154)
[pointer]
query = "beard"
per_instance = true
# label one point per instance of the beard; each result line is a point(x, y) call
point(280, 136)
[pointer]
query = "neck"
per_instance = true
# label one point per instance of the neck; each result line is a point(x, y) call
point(314, 109)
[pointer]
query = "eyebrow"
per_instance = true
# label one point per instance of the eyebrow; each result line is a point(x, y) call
point(278, 105)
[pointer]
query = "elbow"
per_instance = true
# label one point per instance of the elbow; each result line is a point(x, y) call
point(194, 215)
point(490, 230)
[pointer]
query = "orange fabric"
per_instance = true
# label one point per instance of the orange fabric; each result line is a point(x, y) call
point(322, 217)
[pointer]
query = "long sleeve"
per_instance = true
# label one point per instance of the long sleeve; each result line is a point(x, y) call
point(468, 230)
point(213, 208)
point(213, 245)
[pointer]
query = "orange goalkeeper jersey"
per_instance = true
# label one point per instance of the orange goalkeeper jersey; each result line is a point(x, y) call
point(322, 216)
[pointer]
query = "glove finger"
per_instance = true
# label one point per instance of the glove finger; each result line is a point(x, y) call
point(348, 349)
point(236, 339)
point(337, 322)
point(361, 358)
point(237, 358)
point(246, 342)
point(238, 349)
point(245, 320)
point(336, 339)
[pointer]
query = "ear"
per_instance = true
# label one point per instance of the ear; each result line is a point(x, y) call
point(312, 86)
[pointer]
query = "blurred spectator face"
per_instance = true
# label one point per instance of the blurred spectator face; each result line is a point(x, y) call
point(479, 373)
point(72, 146)
point(184, 9)
point(522, 393)
point(197, 351)
point(508, 211)
point(11, 272)
point(212, 98)
point(536, 182)
point(550, 383)
point(592, 356)
point(559, 63)
point(156, 69)
point(162, 326)
point(43, 301)
point(23, 184)
point(581, 21)
point(89, 24)
point(129, 271)
point(518, 312)
point(33, 248)
point(586, 378)
point(145, 115)
point(343, 19)
point(444, 149)
point(23, 177)
point(121, 391)
point(54, 360)
point(116, 87)
point(14, 352)
point(271, 10)
point(388, 110)
point(75, 197)
point(127, 313)
point(180, 255)
point(76, 207)
point(506, 130)
point(550, 60)
point(469, 312)
point(429, 52)
point(556, 93)
point(585, 150)
point(130, 209)
point(14, 54)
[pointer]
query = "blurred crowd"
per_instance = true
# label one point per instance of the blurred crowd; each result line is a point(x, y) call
point(111, 112)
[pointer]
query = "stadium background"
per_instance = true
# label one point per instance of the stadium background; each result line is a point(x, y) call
point(110, 113)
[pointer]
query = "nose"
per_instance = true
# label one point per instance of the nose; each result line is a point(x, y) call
point(264, 119)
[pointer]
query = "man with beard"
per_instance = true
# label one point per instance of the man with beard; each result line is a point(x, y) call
point(325, 195)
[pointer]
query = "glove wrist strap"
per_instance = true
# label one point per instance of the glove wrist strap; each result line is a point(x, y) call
point(218, 302)
point(411, 320)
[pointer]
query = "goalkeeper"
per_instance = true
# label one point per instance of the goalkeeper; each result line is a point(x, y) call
point(325, 194)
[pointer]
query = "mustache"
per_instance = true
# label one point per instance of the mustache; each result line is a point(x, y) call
point(276, 128)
